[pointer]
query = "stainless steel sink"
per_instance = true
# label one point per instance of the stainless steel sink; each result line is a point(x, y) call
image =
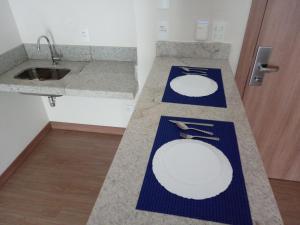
point(42, 74)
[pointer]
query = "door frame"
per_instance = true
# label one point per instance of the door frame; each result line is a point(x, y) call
point(249, 47)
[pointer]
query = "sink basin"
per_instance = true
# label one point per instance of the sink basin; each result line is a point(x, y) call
point(42, 74)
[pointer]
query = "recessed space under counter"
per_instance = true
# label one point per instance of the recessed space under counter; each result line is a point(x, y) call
point(114, 79)
point(117, 201)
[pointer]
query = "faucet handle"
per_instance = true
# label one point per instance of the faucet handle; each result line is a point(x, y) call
point(55, 60)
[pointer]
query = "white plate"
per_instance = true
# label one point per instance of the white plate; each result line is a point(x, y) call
point(192, 169)
point(194, 85)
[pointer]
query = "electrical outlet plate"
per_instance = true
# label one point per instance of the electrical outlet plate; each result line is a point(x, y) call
point(130, 107)
point(163, 4)
point(85, 36)
point(163, 30)
point(218, 31)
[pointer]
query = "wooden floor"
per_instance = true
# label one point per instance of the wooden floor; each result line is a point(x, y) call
point(287, 194)
point(59, 183)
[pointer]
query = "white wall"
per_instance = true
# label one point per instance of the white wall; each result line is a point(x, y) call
point(21, 119)
point(86, 110)
point(145, 17)
point(182, 17)
point(110, 22)
point(183, 14)
point(113, 112)
point(9, 36)
point(126, 22)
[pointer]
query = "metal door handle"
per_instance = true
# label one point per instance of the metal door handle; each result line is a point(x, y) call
point(268, 69)
point(261, 66)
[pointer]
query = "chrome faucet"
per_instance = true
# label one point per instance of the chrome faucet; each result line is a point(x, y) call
point(54, 55)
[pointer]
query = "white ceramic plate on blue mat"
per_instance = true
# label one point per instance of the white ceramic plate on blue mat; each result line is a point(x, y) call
point(192, 169)
point(194, 85)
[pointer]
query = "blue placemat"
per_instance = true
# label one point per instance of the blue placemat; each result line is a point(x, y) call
point(230, 207)
point(216, 99)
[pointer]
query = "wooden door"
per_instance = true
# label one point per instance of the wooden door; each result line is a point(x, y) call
point(273, 108)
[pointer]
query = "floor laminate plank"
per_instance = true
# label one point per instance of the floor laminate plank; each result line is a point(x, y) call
point(287, 194)
point(59, 182)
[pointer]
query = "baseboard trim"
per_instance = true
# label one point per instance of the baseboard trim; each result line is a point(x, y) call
point(87, 128)
point(24, 154)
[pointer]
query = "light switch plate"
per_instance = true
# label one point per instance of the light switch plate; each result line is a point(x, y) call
point(202, 30)
point(218, 31)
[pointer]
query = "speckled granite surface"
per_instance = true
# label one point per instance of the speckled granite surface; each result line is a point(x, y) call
point(119, 195)
point(12, 58)
point(212, 50)
point(84, 52)
point(91, 79)
point(105, 78)
point(114, 53)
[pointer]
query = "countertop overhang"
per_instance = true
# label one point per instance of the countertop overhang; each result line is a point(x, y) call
point(112, 79)
point(117, 200)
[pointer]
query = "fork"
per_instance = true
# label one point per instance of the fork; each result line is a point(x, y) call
point(187, 69)
point(200, 73)
point(188, 136)
point(183, 126)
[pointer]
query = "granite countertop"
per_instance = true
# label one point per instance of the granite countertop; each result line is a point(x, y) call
point(116, 203)
point(114, 79)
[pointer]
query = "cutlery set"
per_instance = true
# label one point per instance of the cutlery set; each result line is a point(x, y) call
point(195, 86)
point(184, 126)
point(201, 71)
point(188, 69)
point(190, 176)
point(194, 170)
